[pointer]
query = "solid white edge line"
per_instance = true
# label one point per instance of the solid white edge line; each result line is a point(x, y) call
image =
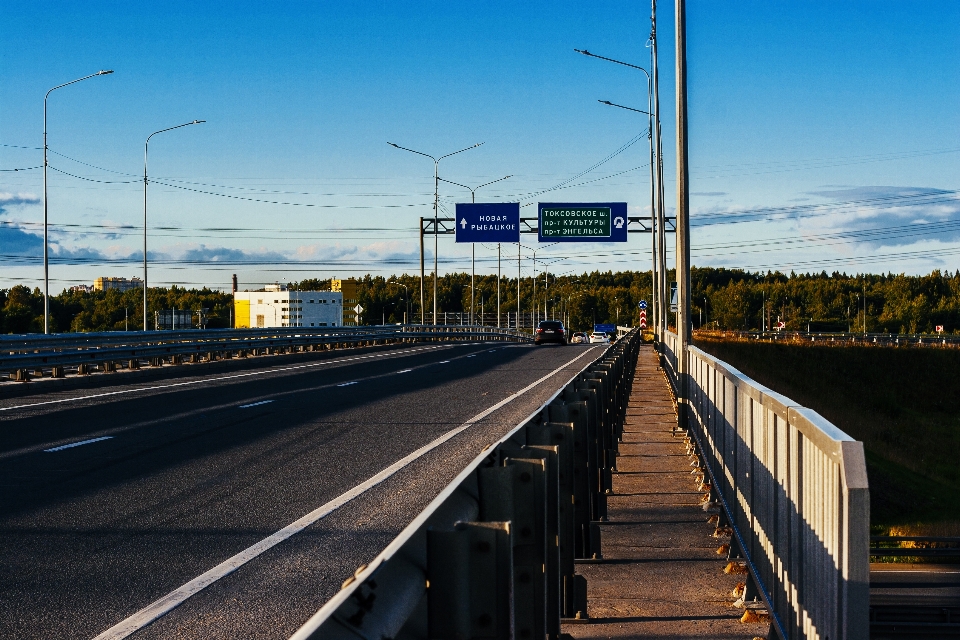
point(231, 377)
point(308, 627)
point(167, 603)
point(76, 444)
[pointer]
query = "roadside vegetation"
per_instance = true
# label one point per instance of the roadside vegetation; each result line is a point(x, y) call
point(902, 402)
point(720, 298)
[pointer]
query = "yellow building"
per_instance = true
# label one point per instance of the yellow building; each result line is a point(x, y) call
point(349, 290)
point(102, 284)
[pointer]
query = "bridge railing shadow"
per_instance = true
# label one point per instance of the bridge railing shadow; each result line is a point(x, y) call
point(793, 487)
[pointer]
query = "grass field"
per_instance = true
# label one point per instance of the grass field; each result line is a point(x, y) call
point(903, 403)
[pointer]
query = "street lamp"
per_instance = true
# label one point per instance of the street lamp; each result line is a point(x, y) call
point(46, 262)
point(436, 222)
point(406, 299)
point(146, 146)
point(656, 187)
point(473, 251)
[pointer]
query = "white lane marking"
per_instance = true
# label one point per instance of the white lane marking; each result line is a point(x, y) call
point(254, 404)
point(347, 384)
point(472, 356)
point(76, 444)
point(231, 377)
point(405, 371)
point(443, 362)
point(167, 603)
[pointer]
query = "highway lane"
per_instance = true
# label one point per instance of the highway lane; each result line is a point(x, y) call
point(187, 476)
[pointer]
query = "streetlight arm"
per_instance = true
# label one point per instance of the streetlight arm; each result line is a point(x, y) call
point(185, 124)
point(457, 184)
point(92, 75)
point(626, 64)
point(461, 151)
point(420, 153)
point(492, 181)
point(613, 104)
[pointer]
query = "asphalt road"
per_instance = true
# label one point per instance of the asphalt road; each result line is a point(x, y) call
point(182, 469)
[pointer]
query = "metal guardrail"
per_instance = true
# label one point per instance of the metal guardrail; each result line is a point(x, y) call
point(493, 555)
point(843, 338)
point(22, 354)
point(793, 487)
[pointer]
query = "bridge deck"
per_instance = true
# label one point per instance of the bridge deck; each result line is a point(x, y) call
point(660, 576)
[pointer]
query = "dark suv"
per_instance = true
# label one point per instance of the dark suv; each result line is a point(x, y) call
point(550, 331)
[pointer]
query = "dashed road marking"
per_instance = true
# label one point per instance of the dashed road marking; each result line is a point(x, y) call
point(77, 444)
point(254, 404)
point(347, 384)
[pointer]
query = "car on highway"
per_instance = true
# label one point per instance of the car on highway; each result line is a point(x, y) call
point(550, 331)
point(578, 337)
point(599, 338)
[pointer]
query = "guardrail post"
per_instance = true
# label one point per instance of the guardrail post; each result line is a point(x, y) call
point(516, 492)
point(470, 578)
point(83, 369)
point(549, 455)
point(56, 372)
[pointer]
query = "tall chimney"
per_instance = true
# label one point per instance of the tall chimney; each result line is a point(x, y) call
point(234, 283)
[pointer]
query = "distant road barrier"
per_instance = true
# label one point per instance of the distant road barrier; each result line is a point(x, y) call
point(493, 556)
point(794, 489)
point(839, 339)
point(26, 356)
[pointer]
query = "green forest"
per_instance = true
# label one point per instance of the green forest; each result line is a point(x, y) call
point(720, 298)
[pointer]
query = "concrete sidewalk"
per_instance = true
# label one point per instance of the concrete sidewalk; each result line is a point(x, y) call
point(660, 576)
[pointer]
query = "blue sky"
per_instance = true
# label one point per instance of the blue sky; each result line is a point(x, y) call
point(822, 135)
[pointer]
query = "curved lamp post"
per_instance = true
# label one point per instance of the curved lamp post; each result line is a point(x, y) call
point(436, 215)
point(473, 251)
point(146, 146)
point(46, 262)
point(656, 195)
point(406, 298)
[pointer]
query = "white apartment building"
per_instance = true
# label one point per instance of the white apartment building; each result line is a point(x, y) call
point(276, 307)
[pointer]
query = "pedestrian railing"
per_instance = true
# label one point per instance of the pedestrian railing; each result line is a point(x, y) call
point(26, 356)
point(793, 488)
point(494, 554)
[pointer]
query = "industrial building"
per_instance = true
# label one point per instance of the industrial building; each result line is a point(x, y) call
point(275, 306)
point(122, 284)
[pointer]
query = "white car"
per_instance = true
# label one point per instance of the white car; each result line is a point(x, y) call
point(599, 338)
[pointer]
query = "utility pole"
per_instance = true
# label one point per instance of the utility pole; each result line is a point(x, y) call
point(683, 215)
point(422, 320)
point(662, 294)
point(518, 286)
point(498, 285)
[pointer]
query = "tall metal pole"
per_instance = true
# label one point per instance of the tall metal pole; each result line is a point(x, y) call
point(436, 221)
point(46, 257)
point(436, 232)
point(498, 285)
point(663, 294)
point(146, 146)
point(422, 321)
point(518, 286)
point(683, 212)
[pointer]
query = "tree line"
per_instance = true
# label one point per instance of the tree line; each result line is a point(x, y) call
point(721, 298)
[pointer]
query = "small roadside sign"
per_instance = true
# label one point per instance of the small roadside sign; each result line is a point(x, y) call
point(358, 309)
point(582, 222)
point(939, 328)
point(781, 325)
point(488, 222)
point(643, 304)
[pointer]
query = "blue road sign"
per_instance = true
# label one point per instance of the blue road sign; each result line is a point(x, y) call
point(582, 222)
point(604, 328)
point(488, 222)
point(643, 304)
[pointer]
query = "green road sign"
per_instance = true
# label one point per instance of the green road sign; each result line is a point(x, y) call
point(586, 222)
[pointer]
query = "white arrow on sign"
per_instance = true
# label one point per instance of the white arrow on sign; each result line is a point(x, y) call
point(463, 223)
point(358, 309)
